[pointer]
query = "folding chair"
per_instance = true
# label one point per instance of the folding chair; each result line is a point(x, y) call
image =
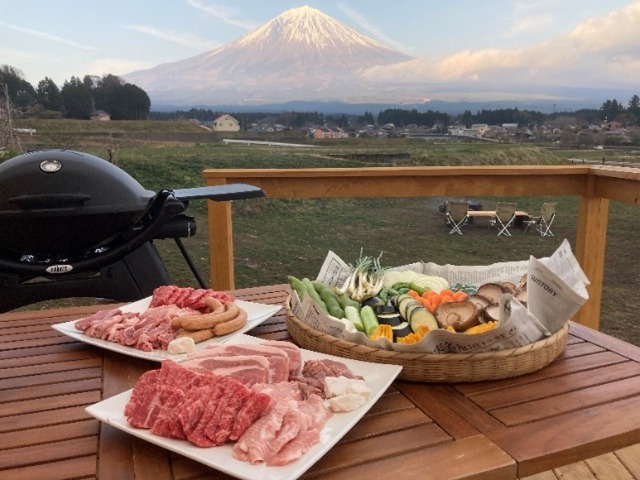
point(505, 216)
point(457, 215)
point(543, 222)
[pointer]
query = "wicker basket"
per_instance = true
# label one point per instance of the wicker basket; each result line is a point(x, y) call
point(431, 367)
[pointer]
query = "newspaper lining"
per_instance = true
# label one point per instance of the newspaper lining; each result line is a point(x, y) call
point(556, 289)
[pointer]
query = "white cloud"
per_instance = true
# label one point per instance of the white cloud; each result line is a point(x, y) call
point(179, 38)
point(11, 54)
point(598, 50)
point(46, 36)
point(618, 29)
point(226, 14)
point(115, 66)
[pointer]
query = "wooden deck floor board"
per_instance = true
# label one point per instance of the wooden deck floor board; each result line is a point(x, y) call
point(623, 464)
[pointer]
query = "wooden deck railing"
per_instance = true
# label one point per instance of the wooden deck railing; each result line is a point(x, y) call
point(594, 185)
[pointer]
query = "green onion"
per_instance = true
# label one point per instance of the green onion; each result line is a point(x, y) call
point(365, 280)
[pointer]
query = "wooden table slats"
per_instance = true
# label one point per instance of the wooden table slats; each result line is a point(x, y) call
point(562, 439)
point(586, 403)
point(525, 393)
point(76, 467)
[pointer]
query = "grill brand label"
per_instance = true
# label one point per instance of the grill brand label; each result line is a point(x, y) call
point(59, 268)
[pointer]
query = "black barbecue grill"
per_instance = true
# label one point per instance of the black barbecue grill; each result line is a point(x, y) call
point(75, 225)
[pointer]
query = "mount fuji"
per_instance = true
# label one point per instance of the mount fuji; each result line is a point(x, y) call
point(305, 60)
point(301, 55)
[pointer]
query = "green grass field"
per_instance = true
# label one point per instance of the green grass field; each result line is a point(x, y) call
point(274, 238)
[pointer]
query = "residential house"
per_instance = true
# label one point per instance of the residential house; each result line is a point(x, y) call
point(225, 123)
point(612, 126)
point(325, 132)
point(480, 128)
point(101, 116)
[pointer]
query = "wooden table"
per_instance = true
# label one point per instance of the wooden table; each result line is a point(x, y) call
point(492, 213)
point(519, 220)
point(585, 403)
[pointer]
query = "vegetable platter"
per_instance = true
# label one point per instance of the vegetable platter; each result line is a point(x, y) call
point(438, 330)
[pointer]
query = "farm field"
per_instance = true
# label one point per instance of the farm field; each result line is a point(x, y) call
point(274, 238)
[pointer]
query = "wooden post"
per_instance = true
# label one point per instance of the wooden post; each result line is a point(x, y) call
point(591, 238)
point(221, 268)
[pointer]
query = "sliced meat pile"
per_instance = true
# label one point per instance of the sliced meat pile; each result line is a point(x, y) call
point(314, 372)
point(217, 395)
point(250, 364)
point(287, 429)
point(184, 297)
point(205, 409)
point(145, 331)
point(150, 329)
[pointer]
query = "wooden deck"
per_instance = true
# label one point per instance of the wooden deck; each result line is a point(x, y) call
point(623, 464)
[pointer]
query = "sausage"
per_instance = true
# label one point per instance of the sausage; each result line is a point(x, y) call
point(197, 335)
point(176, 322)
point(231, 325)
point(214, 305)
point(210, 320)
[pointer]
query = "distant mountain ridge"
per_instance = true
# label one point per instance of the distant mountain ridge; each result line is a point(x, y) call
point(305, 59)
point(303, 54)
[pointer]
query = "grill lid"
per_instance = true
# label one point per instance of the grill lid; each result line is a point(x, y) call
point(65, 182)
point(61, 201)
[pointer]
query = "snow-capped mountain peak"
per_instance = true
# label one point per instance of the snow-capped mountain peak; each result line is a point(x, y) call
point(309, 26)
point(303, 54)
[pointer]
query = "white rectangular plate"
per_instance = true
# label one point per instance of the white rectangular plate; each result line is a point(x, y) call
point(377, 376)
point(256, 313)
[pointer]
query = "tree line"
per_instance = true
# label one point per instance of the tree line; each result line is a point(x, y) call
point(436, 120)
point(78, 98)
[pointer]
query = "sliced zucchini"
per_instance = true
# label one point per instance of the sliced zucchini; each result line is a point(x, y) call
point(407, 306)
point(399, 299)
point(411, 308)
point(402, 302)
point(422, 316)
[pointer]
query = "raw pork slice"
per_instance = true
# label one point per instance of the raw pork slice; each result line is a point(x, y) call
point(97, 317)
point(249, 369)
point(286, 430)
point(314, 416)
point(145, 331)
point(294, 353)
point(278, 359)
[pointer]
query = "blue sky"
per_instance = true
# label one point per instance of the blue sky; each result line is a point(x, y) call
point(579, 42)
